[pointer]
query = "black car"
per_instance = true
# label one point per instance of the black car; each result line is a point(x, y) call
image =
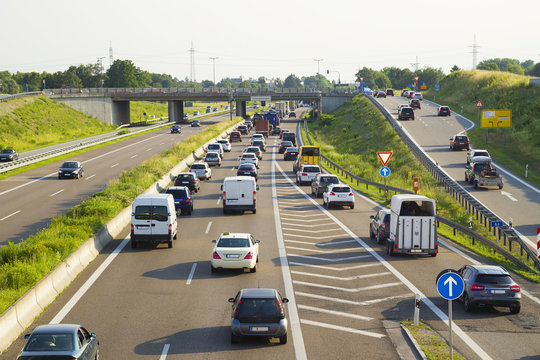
point(459, 142)
point(284, 145)
point(247, 170)
point(276, 130)
point(188, 179)
point(243, 129)
point(380, 93)
point(235, 136)
point(176, 129)
point(182, 198)
point(291, 153)
point(8, 155)
point(379, 226)
point(321, 182)
point(289, 136)
point(488, 285)
point(406, 113)
point(389, 92)
point(260, 144)
point(292, 114)
point(195, 123)
point(443, 111)
point(71, 169)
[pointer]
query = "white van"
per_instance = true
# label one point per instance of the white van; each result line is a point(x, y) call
point(413, 228)
point(239, 193)
point(153, 219)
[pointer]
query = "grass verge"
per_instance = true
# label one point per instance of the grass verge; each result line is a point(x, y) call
point(431, 343)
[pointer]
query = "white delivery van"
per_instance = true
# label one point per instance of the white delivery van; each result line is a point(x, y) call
point(239, 193)
point(153, 219)
point(413, 228)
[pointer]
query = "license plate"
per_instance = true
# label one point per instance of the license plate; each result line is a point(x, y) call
point(235, 256)
point(142, 227)
point(258, 328)
point(497, 291)
point(416, 250)
point(342, 196)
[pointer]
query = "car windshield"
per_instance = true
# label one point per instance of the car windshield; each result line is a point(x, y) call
point(330, 179)
point(177, 193)
point(50, 342)
point(6, 151)
point(69, 164)
point(233, 242)
point(498, 279)
point(198, 166)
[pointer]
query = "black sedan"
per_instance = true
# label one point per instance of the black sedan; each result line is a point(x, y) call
point(247, 170)
point(188, 179)
point(195, 123)
point(291, 153)
point(444, 111)
point(284, 145)
point(71, 169)
point(60, 341)
point(8, 155)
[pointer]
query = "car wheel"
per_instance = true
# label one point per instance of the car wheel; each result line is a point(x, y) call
point(97, 354)
point(390, 248)
point(466, 178)
point(500, 187)
point(378, 237)
point(253, 269)
point(213, 269)
point(257, 259)
point(169, 244)
point(352, 206)
point(297, 181)
point(514, 309)
point(371, 234)
point(476, 184)
point(469, 307)
point(133, 244)
point(235, 339)
point(254, 211)
point(283, 339)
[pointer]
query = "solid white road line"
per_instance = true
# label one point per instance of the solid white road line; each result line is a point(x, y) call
point(333, 267)
point(365, 288)
point(164, 352)
point(114, 165)
point(148, 149)
point(330, 260)
point(219, 200)
point(348, 278)
point(191, 274)
point(161, 143)
point(89, 177)
point(317, 237)
point(306, 225)
point(342, 328)
point(350, 302)
point(332, 312)
point(56, 193)
point(10, 215)
point(312, 231)
point(134, 156)
point(91, 280)
point(208, 227)
point(296, 330)
point(323, 251)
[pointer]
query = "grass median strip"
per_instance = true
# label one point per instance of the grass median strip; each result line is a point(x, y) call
point(431, 343)
point(23, 265)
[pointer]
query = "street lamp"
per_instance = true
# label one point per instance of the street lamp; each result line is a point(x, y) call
point(100, 62)
point(214, 67)
point(339, 75)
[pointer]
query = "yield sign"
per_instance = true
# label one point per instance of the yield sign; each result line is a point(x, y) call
point(384, 157)
point(479, 104)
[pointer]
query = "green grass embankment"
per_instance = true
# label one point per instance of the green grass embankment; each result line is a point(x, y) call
point(352, 136)
point(498, 91)
point(36, 121)
point(23, 265)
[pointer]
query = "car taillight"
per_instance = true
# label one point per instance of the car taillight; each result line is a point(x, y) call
point(515, 288)
point(304, 174)
point(188, 201)
point(249, 256)
point(351, 194)
point(132, 229)
point(243, 159)
point(215, 255)
point(206, 171)
point(190, 171)
point(383, 224)
point(193, 181)
point(224, 196)
point(254, 196)
point(332, 193)
point(455, 142)
point(170, 228)
point(476, 287)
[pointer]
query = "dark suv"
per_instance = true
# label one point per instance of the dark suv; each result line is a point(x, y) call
point(491, 286)
point(182, 198)
point(190, 180)
point(321, 182)
point(289, 136)
point(258, 312)
point(459, 142)
point(243, 129)
point(415, 103)
point(406, 113)
point(379, 226)
point(9, 155)
point(444, 111)
point(389, 92)
point(235, 136)
point(71, 169)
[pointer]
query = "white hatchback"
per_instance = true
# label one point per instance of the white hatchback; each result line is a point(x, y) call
point(235, 251)
point(307, 173)
point(225, 144)
point(338, 195)
point(249, 158)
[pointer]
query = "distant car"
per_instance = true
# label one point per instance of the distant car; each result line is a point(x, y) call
point(283, 131)
point(405, 92)
point(402, 106)
point(235, 251)
point(243, 129)
point(292, 114)
point(202, 170)
point(459, 142)
point(389, 92)
point(195, 113)
point(418, 96)
point(247, 170)
point(8, 155)
point(235, 136)
point(443, 111)
point(291, 153)
point(338, 195)
point(258, 312)
point(215, 147)
point(60, 341)
point(379, 226)
point(321, 182)
point(368, 91)
point(306, 173)
point(415, 103)
point(185, 117)
point(260, 143)
point(195, 123)
point(189, 179)
point(183, 200)
point(410, 94)
point(264, 133)
point(71, 169)
point(488, 285)
point(406, 113)
point(225, 144)
point(249, 158)
point(208, 109)
point(379, 93)
point(255, 150)
point(212, 158)
point(284, 145)
point(476, 152)
point(176, 129)
point(214, 109)
point(257, 136)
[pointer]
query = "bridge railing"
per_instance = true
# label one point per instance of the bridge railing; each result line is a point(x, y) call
point(20, 95)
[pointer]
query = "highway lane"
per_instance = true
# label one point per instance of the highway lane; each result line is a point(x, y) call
point(30, 199)
point(432, 133)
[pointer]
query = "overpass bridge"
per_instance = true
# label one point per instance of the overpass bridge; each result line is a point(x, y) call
point(112, 105)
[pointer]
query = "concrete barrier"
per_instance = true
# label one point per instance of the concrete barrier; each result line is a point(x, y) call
point(18, 317)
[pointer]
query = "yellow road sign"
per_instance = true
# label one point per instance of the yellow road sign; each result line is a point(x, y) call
point(496, 119)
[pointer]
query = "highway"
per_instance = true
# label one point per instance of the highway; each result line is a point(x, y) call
point(517, 200)
point(160, 303)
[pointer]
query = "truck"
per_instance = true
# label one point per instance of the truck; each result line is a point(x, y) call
point(283, 106)
point(413, 227)
point(480, 173)
point(272, 117)
point(307, 155)
point(262, 125)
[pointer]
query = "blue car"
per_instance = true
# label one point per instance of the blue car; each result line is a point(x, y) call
point(182, 198)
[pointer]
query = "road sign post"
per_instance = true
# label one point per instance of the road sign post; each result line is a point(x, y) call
point(450, 286)
point(385, 171)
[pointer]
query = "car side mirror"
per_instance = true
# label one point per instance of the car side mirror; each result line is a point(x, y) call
point(214, 241)
point(372, 217)
point(26, 336)
point(257, 241)
point(285, 300)
point(257, 187)
point(93, 334)
point(231, 300)
point(221, 187)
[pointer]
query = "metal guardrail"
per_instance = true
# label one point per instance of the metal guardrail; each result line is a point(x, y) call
point(507, 233)
point(20, 95)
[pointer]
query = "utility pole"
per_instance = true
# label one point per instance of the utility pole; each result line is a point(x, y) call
point(111, 60)
point(318, 74)
point(192, 62)
point(474, 52)
point(415, 64)
point(214, 67)
point(100, 63)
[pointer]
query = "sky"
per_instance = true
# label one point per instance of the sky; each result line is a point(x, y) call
point(272, 39)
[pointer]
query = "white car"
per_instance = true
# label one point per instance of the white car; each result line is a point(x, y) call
point(225, 144)
point(257, 137)
point(418, 96)
point(201, 169)
point(249, 158)
point(212, 158)
point(215, 147)
point(307, 173)
point(235, 251)
point(338, 195)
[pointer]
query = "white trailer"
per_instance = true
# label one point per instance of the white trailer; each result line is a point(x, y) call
point(413, 228)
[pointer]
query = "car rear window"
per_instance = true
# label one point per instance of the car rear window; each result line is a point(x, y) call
point(407, 110)
point(498, 279)
point(341, 189)
point(248, 156)
point(292, 149)
point(198, 166)
point(212, 155)
point(184, 177)
point(177, 193)
point(461, 138)
point(417, 208)
point(330, 179)
point(481, 153)
point(311, 169)
point(214, 146)
point(233, 242)
point(246, 167)
point(258, 310)
point(147, 212)
point(50, 342)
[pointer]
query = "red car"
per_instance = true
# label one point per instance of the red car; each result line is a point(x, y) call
point(415, 103)
point(235, 136)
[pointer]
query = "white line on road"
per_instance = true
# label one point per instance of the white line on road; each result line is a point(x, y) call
point(317, 237)
point(339, 313)
point(365, 288)
point(134, 156)
point(350, 302)
point(10, 215)
point(331, 260)
point(164, 352)
point(56, 193)
point(219, 200)
point(148, 149)
point(334, 268)
point(191, 274)
point(342, 328)
point(312, 231)
point(508, 195)
point(208, 227)
point(114, 165)
point(307, 225)
point(323, 251)
point(348, 278)
point(89, 177)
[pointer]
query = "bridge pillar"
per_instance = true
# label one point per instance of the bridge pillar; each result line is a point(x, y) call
point(121, 112)
point(238, 108)
point(176, 111)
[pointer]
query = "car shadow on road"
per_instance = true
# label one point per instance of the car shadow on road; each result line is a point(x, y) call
point(181, 271)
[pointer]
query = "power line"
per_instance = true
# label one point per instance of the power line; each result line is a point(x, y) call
point(474, 52)
point(110, 54)
point(415, 64)
point(192, 62)
point(214, 67)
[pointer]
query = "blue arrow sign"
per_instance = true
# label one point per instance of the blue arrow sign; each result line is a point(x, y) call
point(496, 223)
point(437, 87)
point(450, 286)
point(384, 171)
